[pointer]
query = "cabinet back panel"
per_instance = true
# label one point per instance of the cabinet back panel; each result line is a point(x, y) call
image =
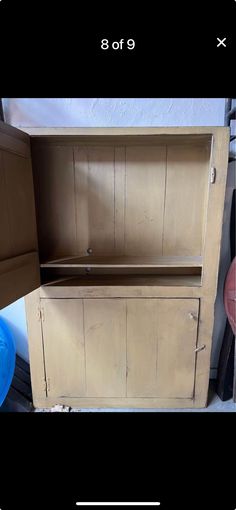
point(185, 203)
point(135, 200)
point(95, 201)
point(144, 200)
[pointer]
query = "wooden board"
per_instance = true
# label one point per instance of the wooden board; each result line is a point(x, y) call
point(36, 348)
point(161, 342)
point(54, 179)
point(138, 200)
point(103, 348)
point(64, 347)
point(95, 206)
point(177, 341)
point(105, 334)
point(181, 133)
point(18, 276)
point(144, 200)
point(19, 264)
point(20, 203)
point(185, 202)
point(126, 261)
point(142, 347)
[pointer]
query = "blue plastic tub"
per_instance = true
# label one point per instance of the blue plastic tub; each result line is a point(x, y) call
point(7, 359)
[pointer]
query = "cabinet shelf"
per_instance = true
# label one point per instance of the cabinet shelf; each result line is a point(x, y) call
point(93, 261)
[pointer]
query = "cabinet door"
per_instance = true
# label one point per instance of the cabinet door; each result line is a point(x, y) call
point(161, 342)
point(19, 264)
point(85, 347)
point(120, 347)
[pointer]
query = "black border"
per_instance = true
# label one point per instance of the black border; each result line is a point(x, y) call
point(53, 49)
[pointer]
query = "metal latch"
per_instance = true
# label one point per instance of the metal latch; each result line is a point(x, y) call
point(213, 174)
point(198, 349)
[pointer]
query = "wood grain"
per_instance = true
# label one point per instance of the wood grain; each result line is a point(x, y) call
point(53, 169)
point(64, 347)
point(94, 174)
point(36, 350)
point(105, 334)
point(126, 261)
point(144, 200)
point(18, 276)
point(185, 204)
point(161, 339)
point(19, 264)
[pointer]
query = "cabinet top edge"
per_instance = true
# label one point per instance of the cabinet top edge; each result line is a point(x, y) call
point(86, 131)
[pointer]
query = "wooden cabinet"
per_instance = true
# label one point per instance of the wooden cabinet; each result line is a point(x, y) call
point(120, 347)
point(117, 233)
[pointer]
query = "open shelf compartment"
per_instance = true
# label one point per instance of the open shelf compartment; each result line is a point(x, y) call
point(126, 262)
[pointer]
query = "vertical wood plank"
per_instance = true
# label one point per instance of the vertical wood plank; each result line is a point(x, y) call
point(6, 243)
point(177, 338)
point(63, 337)
point(105, 337)
point(36, 353)
point(161, 339)
point(142, 347)
point(81, 199)
point(119, 200)
point(186, 192)
point(95, 198)
point(145, 191)
point(20, 205)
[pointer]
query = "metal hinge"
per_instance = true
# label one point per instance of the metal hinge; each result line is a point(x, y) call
point(46, 385)
point(213, 174)
point(40, 313)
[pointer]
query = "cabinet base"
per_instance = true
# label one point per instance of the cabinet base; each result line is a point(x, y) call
point(134, 403)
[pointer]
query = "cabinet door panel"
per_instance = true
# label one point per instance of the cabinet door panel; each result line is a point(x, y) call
point(19, 264)
point(161, 341)
point(64, 350)
point(105, 336)
point(120, 348)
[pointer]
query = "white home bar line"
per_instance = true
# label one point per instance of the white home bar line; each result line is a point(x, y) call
point(116, 503)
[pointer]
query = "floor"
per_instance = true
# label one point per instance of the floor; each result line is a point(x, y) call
point(215, 405)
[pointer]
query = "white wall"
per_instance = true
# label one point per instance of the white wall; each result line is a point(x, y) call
point(110, 112)
point(114, 112)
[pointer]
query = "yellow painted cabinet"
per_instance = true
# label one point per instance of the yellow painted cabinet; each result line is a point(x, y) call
point(113, 235)
point(123, 348)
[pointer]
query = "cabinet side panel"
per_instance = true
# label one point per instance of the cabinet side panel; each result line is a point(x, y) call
point(211, 257)
point(53, 169)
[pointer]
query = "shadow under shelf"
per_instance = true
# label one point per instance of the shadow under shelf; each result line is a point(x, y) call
point(124, 270)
